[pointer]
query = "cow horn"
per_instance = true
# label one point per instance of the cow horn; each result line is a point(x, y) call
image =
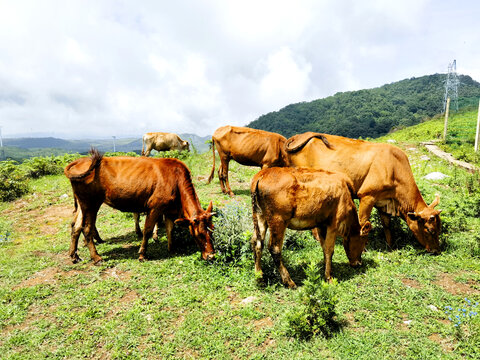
point(435, 202)
point(209, 208)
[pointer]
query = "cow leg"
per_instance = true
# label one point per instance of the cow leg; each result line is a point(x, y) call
point(75, 234)
point(319, 235)
point(386, 219)
point(168, 230)
point(257, 242)
point(277, 233)
point(150, 221)
point(328, 249)
point(89, 219)
point(136, 218)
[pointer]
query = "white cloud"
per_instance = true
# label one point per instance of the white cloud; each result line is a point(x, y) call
point(89, 68)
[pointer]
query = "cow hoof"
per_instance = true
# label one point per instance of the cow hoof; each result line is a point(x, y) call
point(142, 259)
point(98, 262)
point(76, 259)
point(291, 285)
point(100, 241)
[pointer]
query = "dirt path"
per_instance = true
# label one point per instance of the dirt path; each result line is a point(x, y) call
point(446, 156)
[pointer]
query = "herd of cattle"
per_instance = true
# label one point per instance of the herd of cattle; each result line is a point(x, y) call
point(306, 182)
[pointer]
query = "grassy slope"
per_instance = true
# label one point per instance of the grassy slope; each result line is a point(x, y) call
point(177, 306)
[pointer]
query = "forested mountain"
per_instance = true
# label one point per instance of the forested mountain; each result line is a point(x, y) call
point(372, 112)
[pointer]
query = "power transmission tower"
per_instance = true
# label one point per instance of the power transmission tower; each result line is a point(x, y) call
point(451, 86)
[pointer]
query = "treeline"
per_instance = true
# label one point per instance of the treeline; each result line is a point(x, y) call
point(369, 113)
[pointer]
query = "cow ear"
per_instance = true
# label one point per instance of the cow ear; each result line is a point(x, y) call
point(182, 222)
point(366, 228)
point(413, 216)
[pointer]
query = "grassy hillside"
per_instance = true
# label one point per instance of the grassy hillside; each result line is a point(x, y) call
point(371, 112)
point(460, 134)
point(177, 306)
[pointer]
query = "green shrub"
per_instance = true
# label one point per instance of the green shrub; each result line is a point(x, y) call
point(316, 314)
point(41, 166)
point(13, 181)
point(232, 232)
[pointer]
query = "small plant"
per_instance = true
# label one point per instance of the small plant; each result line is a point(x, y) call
point(316, 313)
point(232, 233)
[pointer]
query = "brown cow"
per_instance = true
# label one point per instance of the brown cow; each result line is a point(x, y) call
point(246, 146)
point(381, 176)
point(162, 141)
point(301, 199)
point(155, 186)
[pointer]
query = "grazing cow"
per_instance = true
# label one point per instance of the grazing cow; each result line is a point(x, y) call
point(246, 146)
point(301, 199)
point(381, 176)
point(162, 141)
point(155, 186)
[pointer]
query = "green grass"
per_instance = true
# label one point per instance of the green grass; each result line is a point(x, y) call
point(460, 139)
point(177, 306)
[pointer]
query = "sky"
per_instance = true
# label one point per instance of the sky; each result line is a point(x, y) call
point(97, 69)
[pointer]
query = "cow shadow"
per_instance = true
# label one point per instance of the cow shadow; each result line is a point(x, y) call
point(342, 271)
point(129, 244)
point(240, 192)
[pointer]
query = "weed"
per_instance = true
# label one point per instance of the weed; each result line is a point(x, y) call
point(232, 232)
point(316, 313)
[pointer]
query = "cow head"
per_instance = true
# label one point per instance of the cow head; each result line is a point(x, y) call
point(201, 228)
point(426, 226)
point(185, 145)
point(354, 244)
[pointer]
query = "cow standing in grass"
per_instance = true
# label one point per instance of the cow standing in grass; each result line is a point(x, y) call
point(162, 141)
point(381, 176)
point(155, 186)
point(246, 146)
point(302, 199)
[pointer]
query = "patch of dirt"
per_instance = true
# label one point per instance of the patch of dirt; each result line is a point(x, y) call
point(42, 277)
point(453, 287)
point(117, 274)
point(411, 283)
point(262, 323)
point(446, 345)
point(129, 297)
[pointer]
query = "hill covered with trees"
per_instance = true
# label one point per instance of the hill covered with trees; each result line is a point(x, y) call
point(372, 112)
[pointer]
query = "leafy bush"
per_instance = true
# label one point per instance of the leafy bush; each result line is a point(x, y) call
point(232, 232)
point(177, 154)
point(41, 166)
point(13, 181)
point(316, 313)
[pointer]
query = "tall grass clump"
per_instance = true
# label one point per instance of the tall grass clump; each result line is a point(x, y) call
point(316, 313)
point(232, 232)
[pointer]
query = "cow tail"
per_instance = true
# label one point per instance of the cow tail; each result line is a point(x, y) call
point(255, 208)
point(293, 149)
point(213, 167)
point(96, 158)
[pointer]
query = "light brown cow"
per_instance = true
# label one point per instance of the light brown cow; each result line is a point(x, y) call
point(162, 141)
point(246, 146)
point(301, 199)
point(381, 176)
point(155, 186)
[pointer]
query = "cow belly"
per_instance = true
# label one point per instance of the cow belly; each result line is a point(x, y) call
point(301, 224)
point(388, 206)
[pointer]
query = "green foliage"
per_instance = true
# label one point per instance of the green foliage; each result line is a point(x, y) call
point(316, 314)
point(177, 154)
point(368, 113)
point(13, 181)
point(41, 166)
point(232, 233)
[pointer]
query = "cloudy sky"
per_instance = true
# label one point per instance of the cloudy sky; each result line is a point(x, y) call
point(83, 69)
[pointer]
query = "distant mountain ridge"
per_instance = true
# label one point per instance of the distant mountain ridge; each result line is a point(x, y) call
point(371, 112)
point(83, 146)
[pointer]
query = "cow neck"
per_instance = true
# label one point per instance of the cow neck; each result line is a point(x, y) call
point(411, 200)
point(188, 197)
